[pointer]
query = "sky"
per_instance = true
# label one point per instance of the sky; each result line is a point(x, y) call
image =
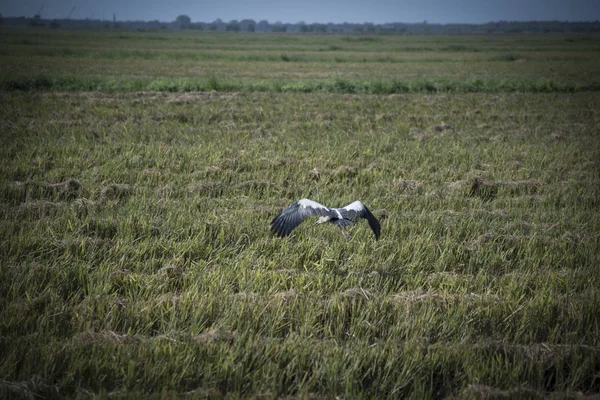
point(309, 11)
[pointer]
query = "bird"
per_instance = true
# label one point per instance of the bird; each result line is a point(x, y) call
point(283, 224)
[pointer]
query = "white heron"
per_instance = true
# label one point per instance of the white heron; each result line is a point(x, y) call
point(283, 224)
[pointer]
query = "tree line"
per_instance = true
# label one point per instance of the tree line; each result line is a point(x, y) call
point(184, 22)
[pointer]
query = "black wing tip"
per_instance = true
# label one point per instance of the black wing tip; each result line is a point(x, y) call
point(280, 234)
point(376, 228)
point(279, 231)
point(373, 222)
point(277, 226)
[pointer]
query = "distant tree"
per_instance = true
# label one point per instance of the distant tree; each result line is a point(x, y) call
point(221, 26)
point(263, 26)
point(155, 24)
point(278, 27)
point(320, 28)
point(233, 26)
point(184, 21)
point(54, 24)
point(36, 20)
point(1, 19)
point(248, 25)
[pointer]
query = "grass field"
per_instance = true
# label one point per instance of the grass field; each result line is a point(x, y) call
point(140, 172)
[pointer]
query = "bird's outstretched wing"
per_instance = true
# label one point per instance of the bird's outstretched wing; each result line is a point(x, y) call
point(291, 217)
point(358, 210)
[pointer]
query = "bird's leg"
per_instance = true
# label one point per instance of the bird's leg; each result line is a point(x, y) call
point(345, 233)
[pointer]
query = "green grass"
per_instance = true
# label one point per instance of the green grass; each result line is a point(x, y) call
point(335, 85)
point(297, 58)
point(136, 257)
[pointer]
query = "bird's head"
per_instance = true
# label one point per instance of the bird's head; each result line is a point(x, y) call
point(322, 220)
